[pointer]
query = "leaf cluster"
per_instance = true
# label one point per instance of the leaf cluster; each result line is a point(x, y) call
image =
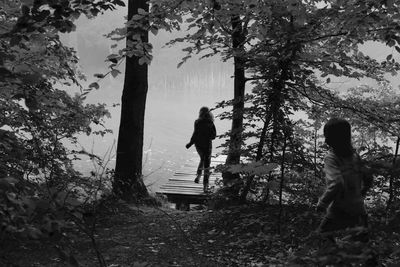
point(42, 196)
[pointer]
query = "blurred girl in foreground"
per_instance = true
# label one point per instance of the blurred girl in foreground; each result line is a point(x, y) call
point(346, 180)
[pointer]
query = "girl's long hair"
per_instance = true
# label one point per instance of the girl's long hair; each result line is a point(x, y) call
point(337, 134)
point(205, 113)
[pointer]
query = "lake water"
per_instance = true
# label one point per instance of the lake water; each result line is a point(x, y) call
point(172, 106)
point(173, 101)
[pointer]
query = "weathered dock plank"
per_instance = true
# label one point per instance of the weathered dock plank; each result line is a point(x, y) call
point(181, 188)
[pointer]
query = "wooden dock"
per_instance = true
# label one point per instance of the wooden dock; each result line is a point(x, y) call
point(181, 188)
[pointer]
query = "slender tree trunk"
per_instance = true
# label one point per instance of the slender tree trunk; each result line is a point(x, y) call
point(263, 135)
point(281, 184)
point(391, 178)
point(259, 154)
point(271, 158)
point(235, 142)
point(315, 151)
point(273, 106)
point(128, 181)
point(276, 102)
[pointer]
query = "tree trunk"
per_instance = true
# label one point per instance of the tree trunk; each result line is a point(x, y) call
point(281, 184)
point(391, 178)
point(128, 181)
point(275, 103)
point(235, 142)
point(263, 135)
point(315, 151)
point(259, 154)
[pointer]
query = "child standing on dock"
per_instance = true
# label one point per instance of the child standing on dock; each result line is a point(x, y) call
point(203, 134)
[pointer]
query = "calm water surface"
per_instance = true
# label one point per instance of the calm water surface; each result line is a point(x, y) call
point(172, 107)
point(173, 100)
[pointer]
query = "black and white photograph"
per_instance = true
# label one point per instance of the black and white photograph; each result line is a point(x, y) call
point(152, 133)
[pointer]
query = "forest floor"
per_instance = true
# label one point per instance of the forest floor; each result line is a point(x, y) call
point(247, 235)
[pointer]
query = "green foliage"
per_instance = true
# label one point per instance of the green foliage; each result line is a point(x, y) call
point(35, 125)
point(248, 235)
point(27, 212)
point(30, 48)
point(42, 196)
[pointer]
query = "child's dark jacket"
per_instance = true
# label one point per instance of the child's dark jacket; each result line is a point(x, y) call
point(204, 132)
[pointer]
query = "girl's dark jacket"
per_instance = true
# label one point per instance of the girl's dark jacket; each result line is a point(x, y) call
point(204, 132)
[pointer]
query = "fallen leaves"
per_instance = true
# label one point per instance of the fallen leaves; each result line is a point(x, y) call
point(218, 238)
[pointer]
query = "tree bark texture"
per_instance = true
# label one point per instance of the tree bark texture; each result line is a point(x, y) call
point(235, 142)
point(128, 181)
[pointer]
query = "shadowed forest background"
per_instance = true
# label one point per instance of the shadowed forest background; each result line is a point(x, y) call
point(89, 129)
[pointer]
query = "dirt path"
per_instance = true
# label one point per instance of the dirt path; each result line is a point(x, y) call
point(128, 236)
point(237, 236)
point(152, 236)
point(148, 236)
